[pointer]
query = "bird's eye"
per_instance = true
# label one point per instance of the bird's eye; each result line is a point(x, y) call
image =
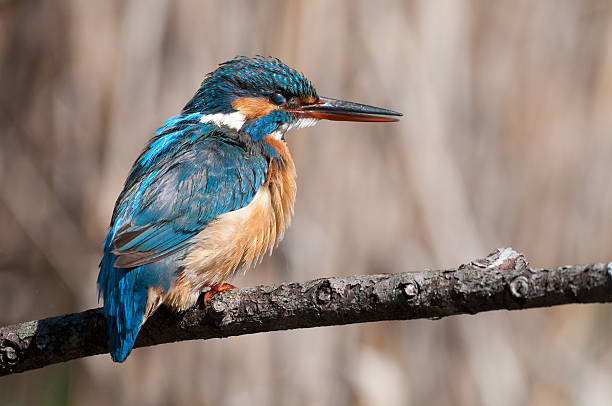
point(278, 99)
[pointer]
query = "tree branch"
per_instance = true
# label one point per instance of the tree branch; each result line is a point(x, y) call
point(503, 280)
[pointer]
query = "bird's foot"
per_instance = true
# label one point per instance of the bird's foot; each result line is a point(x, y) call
point(216, 289)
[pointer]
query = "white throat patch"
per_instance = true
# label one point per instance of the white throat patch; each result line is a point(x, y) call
point(233, 120)
point(236, 119)
point(299, 123)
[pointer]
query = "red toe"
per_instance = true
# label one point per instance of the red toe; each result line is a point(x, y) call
point(216, 289)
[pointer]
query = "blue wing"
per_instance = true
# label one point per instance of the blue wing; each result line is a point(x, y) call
point(177, 195)
point(188, 175)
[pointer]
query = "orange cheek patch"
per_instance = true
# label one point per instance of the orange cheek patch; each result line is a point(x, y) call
point(253, 107)
point(310, 99)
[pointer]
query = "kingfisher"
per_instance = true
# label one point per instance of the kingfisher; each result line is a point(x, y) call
point(211, 193)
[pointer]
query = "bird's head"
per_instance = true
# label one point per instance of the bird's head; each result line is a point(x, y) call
point(261, 96)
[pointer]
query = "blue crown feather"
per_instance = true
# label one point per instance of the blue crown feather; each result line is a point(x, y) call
point(244, 76)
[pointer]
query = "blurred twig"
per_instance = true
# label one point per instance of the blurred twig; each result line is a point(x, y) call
point(503, 280)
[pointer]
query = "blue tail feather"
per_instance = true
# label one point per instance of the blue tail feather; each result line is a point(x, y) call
point(125, 294)
point(124, 305)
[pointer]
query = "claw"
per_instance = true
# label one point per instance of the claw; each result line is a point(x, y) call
point(216, 289)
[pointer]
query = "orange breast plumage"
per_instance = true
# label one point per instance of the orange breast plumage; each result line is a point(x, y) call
point(235, 240)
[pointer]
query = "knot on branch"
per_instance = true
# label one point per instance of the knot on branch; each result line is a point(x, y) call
point(323, 293)
point(410, 290)
point(217, 308)
point(519, 287)
point(9, 354)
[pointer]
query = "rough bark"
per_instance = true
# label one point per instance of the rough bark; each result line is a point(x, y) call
point(503, 280)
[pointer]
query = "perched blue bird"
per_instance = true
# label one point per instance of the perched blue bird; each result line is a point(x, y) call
point(211, 193)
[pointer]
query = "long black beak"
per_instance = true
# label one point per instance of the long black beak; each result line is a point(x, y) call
point(340, 110)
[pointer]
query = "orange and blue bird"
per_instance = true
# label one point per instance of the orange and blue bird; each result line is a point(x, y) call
point(212, 192)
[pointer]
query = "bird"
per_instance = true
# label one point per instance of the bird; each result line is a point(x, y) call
point(211, 193)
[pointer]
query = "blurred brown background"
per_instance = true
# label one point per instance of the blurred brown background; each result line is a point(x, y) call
point(506, 140)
